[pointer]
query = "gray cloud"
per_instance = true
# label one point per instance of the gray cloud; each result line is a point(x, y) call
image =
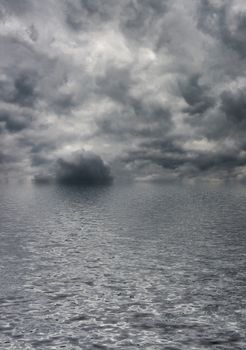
point(17, 7)
point(19, 90)
point(155, 87)
point(227, 24)
point(84, 14)
point(77, 169)
point(196, 97)
point(83, 169)
point(233, 104)
point(14, 121)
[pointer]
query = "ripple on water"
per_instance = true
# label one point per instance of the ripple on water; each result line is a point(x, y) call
point(136, 267)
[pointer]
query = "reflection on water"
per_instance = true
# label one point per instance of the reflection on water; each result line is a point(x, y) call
point(135, 267)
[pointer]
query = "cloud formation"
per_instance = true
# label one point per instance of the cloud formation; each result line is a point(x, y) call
point(155, 87)
point(77, 169)
point(83, 169)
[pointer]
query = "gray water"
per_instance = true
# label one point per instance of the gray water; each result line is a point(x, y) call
point(122, 267)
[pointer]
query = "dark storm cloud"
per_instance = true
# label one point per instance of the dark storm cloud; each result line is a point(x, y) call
point(15, 6)
point(116, 84)
point(227, 120)
point(191, 164)
point(139, 117)
point(233, 104)
point(25, 85)
point(157, 88)
point(124, 129)
point(139, 121)
point(237, 39)
point(196, 96)
point(82, 14)
point(84, 169)
point(6, 158)
point(40, 160)
point(134, 16)
point(14, 121)
point(219, 161)
point(19, 90)
point(219, 20)
point(140, 15)
point(152, 121)
point(42, 179)
point(165, 160)
point(168, 145)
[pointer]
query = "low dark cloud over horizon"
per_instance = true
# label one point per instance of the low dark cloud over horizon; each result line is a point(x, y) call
point(79, 168)
point(154, 89)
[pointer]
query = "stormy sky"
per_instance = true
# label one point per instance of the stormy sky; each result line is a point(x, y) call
point(142, 89)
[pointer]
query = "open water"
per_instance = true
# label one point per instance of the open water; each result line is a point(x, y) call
point(141, 266)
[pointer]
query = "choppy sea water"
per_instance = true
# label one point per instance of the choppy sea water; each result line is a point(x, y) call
point(122, 267)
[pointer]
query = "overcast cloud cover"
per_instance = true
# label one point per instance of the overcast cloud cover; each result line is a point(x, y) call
point(155, 89)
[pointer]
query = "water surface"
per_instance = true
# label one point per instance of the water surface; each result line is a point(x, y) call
point(122, 267)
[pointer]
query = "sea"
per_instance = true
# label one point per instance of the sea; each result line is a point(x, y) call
point(127, 266)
